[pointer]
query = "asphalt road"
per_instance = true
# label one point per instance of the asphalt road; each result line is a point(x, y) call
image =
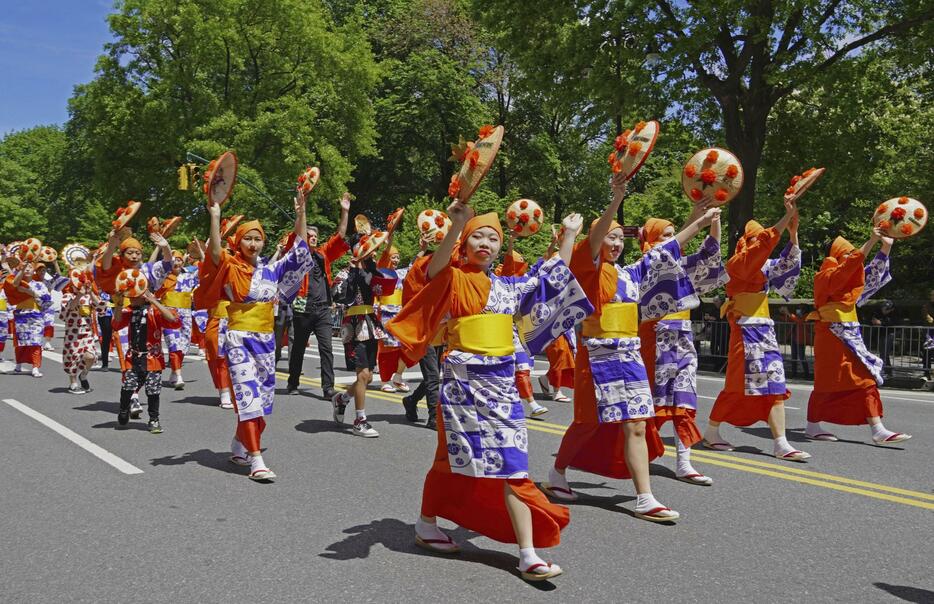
point(166, 518)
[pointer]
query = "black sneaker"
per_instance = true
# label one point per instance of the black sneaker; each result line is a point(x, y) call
point(123, 418)
point(411, 408)
point(361, 427)
point(85, 384)
point(155, 427)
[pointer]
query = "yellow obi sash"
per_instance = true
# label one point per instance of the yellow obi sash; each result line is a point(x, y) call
point(486, 334)
point(250, 316)
point(393, 299)
point(84, 310)
point(617, 320)
point(681, 315)
point(174, 299)
point(3, 305)
point(834, 312)
point(360, 309)
point(747, 305)
point(29, 304)
point(220, 311)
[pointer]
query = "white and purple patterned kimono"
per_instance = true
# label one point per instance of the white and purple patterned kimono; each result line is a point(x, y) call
point(484, 422)
point(5, 317)
point(178, 340)
point(251, 354)
point(877, 275)
point(387, 312)
point(620, 382)
point(764, 368)
point(29, 324)
point(675, 379)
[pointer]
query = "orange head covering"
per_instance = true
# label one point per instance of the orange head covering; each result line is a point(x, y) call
point(753, 229)
point(651, 233)
point(130, 243)
point(840, 248)
point(613, 225)
point(490, 219)
point(242, 230)
point(177, 254)
point(392, 250)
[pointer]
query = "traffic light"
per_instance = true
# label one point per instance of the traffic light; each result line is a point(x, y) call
point(194, 175)
point(183, 182)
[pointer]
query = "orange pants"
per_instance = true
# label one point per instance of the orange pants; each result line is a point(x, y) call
point(524, 384)
point(175, 359)
point(29, 354)
point(249, 433)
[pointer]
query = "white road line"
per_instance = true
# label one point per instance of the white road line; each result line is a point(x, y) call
point(95, 450)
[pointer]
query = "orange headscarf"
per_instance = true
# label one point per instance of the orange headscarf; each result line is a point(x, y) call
point(840, 248)
point(130, 243)
point(490, 219)
point(242, 229)
point(651, 233)
point(613, 225)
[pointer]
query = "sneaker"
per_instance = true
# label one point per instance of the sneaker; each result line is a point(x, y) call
point(136, 409)
point(179, 383)
point(361, 427)
point(75, 389)
point(18, 368)
point(85, 384)
point(36, 373)
point(340, 400)
point(155, 427)
point(123, 418)
point(411, 409)
point(48, 347)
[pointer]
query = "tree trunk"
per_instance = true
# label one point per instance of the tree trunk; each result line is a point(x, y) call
point(745, 136)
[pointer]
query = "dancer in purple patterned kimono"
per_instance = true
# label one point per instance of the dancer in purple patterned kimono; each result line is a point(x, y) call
point(251, 285)
point(31, 298)
point(5, 318)
point(176, 293)
point(667, 343)
point(480, 478)
point(755, 377)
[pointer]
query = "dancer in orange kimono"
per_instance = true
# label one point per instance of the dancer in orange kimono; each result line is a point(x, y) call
point(613, 433)
point(846, 374)
point(480, 477)
point(755, 376)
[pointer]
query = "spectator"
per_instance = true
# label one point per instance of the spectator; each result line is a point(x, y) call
point(719, 334)
point(798, 340)
point(884, 319)
point(927, 346)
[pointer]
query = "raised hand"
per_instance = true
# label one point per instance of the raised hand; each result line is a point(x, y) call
point(573, 223)
point(300, 200)
point(711, 214)
point(214, 211)
point(158, 239)
point(619, 184)
point(460, 213)
point(345, 201)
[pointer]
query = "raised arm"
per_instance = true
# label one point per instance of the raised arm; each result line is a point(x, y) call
point(162, 244)
point(459, 213)
point(694, 227)
point(214, 238)
point(573, 223)
point(345, 215)
point(301, 226)
point(871, 242)
point(113, 242)
point(599, 230)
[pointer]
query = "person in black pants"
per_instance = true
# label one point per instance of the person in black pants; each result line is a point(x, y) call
point(428, 387)
point(106, 331)
point(311, 310)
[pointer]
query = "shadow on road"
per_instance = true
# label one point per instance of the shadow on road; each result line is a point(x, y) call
point(109, 406)
point(216, 460)
point(208, 401)
point(398, 536)
point(314, 426)
point(908, 594)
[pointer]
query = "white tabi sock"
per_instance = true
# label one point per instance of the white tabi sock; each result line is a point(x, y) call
point(257, 463)
point(428, 530)
point(880, 432)
point(557, 479)
point(683, 456)
point(528, 558)
point(813, 429)
point(782, 447)
point(646, 502)
point(534, 405)
point(237, 448)
point(225, 396)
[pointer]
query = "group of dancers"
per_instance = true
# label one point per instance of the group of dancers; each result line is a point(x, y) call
point(619, 335)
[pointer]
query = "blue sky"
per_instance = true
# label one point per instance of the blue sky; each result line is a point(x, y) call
point(46, 47)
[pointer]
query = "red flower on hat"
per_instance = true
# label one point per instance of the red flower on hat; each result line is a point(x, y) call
point(523, 218)
point(533, 227)
point(537, 213)
point(617, 167)
point(721, 195)
point(634, 148)
point(612, 158)
point(919, 213)
point(454, 187)
point(885, 225)
point(732, 171)
point(426, 225)
point(690, 171)
point(620, 143)
point(473, 157)
point(712, 156)
point(809, 171)
point(696, 194)
point(511, 215)
point(439, 220)
point(523, 204)
point(439, 236)
point(790, 191)
point(485, 131)
point(907, 229)
point(795, 180)
point(882, 208)
point(903, 200)
point(898, 214)
point(708, 176)
point(517, 228)
point(429, 212)
point(639, 127)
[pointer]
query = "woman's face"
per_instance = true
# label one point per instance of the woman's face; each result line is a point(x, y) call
point(133, 256)
point(251, 244)
point(394, 260)
point(483, 246)
point(613, 245)
point(667, 234)
point(177, 264)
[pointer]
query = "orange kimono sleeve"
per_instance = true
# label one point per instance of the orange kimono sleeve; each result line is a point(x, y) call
point(420, 317)
point(211, 279)
point(107, 279)
point(511, 268)
point(13, 295)
point(839, 281)
point(384, 261)
point(415, 279)
point(745, 265)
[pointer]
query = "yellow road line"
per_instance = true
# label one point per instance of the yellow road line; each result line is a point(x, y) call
point(821, 479)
